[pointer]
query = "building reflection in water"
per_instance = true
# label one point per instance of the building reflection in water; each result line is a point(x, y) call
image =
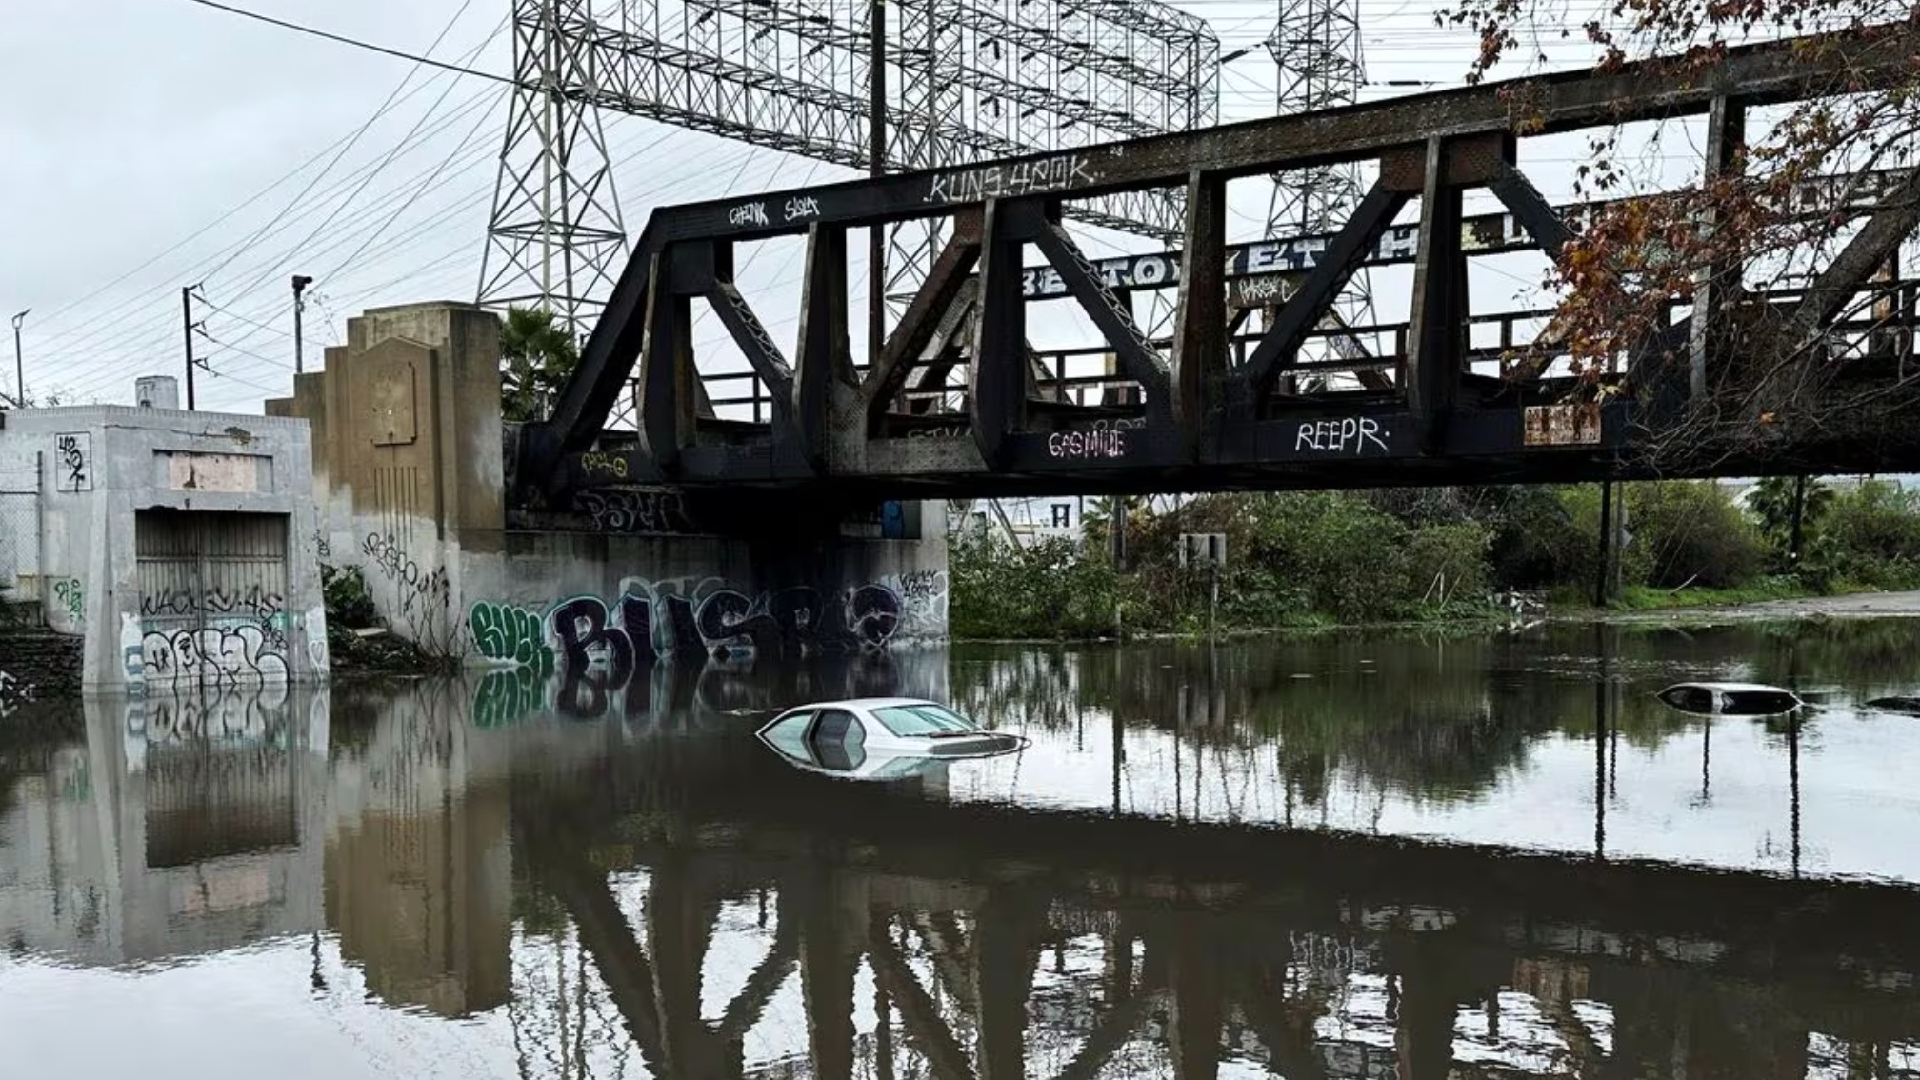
point(641, 893)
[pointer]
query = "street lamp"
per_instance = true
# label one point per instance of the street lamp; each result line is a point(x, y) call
point(19, 365)
point(300, 283)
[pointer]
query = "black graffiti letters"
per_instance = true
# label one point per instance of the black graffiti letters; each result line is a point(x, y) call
point(253, 602)
point(413, 582)
point(621, 510)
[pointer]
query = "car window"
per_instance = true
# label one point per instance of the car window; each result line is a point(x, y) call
point(922, 719)
point(839, 742)
point(789, 734)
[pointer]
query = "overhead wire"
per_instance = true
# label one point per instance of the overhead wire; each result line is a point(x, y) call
point(55, 314)
point(130, 309)
point(355, 139)
point(421, 233)
point(354, 42)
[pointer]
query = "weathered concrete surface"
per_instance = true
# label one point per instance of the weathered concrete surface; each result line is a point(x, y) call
point(76, 480)
point(410, 468)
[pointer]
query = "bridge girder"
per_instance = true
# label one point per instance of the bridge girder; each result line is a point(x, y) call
point(1181, 414)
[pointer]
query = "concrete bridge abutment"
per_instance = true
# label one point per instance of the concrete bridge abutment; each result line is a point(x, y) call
point(412, 468)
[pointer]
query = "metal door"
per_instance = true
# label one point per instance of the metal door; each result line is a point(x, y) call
point(213, 608)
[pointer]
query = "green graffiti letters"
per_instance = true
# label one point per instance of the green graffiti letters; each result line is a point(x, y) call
point(506, 633)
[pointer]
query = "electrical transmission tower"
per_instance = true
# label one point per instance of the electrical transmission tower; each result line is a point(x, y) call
point(555, 239)
point(965, 80)
point(1316, 51)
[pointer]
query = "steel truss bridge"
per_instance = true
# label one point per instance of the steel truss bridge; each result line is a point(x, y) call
point(1218, 406)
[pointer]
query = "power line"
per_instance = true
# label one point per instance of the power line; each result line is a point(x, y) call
point(355, 42)
point(355, 139)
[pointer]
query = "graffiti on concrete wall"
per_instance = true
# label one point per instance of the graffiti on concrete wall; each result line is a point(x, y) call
point(421, 595)
point(14, 692)
point(512, 635)
point(606, 644)
point(634, 510)
point(73, 461)
point(213, 656)
point(70, 598)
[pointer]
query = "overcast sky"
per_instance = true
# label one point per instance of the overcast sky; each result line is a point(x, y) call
point(147, 136)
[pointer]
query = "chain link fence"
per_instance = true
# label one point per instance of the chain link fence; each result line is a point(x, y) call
point(19, 532)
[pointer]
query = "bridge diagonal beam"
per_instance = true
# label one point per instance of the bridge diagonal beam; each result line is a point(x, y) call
point(925, 318)
point(1896, 218)
point(1138, 358)
point(1531, 209)
point(751, 335)
point(1317, 293)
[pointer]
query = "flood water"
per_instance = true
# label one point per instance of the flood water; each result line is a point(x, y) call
point(1392, 855)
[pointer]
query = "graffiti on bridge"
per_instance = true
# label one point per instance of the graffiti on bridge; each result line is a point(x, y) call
point(635, 510)
point(214, 656)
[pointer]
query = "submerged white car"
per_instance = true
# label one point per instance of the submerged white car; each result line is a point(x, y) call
point(1730, 699)
point(877, 737)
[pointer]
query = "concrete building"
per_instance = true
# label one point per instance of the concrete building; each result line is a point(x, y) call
point(165, 542)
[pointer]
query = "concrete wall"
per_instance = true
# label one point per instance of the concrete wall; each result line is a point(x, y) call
point(409, 468)
point(93, 469)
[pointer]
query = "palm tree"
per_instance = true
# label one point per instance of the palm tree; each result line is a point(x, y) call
point(536, 358)
point(1773, 500)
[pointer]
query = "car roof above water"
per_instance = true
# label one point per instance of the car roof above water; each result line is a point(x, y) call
point(869, 703)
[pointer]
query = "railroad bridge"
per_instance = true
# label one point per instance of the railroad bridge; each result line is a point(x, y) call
point(1213, 404)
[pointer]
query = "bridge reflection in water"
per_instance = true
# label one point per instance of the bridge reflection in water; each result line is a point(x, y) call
point(632, 897)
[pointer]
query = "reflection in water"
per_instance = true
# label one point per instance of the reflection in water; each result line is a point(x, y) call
point(1365, 857)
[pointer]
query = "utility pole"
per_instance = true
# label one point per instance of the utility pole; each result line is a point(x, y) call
point(876, 168)
point(19, 364)
point(300, 283)
point(186, 311)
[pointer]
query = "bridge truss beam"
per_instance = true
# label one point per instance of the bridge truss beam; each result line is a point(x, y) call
point(1210, 408)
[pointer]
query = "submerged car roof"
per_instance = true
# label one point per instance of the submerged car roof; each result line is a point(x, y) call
point(864, 703)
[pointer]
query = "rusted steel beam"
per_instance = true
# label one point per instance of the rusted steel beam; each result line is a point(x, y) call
point(1814, 65)
point(1000, 372)
point(1137, 357)
point(1439, 309)
point(1200, 318)
point(1719, 282)
point(825, 351)
point(666, 372)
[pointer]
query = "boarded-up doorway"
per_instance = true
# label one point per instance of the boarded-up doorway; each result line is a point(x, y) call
point(213, 598)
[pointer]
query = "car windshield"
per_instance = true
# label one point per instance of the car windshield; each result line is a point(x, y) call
point(922, 719)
